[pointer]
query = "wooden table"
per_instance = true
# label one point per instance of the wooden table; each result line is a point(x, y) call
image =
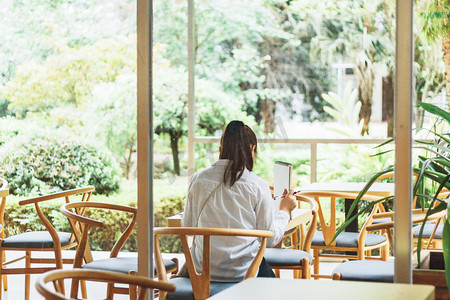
point(382, 189)
point(298, 216)
point(274, 288)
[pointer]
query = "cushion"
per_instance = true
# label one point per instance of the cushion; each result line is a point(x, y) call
point(184, 289)
point(35, 239)
point(428, 230)
point(381, 220)
point(348, 239)
point(285, 257)
point(122, 264)
point(366, 270)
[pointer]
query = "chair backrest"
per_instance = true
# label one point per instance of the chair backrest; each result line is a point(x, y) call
point(307, 236)
point(390, 175)
point(418, 216)
point(84, 192)
point(57, 292)
point(201, 282)
point(328, 226)
point(75, 213)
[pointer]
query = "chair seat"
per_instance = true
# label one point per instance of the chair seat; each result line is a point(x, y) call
point(428, 230)
point(35, 239)
point(366, 270)
point(122, 264)
point(278, 257)
point(381, 220)
point(349, 239)
point(184, 289)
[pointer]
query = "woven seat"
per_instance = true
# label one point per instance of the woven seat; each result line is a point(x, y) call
point(349, 239)
point(365, 270)
point(35, 239)
point(126, 265)
point(184, 288)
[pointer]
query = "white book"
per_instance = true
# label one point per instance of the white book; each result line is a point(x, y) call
point(281, 180)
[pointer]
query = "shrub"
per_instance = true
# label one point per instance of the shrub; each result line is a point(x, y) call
point(42, 165)
point(164, 208)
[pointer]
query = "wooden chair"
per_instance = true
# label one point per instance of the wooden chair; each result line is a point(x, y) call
point(298, 260)
point(198, 286)
point(49, 240)
point(433, 229)
point(138, 285)
point(378, 271)
point(115, 263)
point(357, 242)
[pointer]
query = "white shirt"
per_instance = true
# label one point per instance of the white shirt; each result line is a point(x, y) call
point(248, 204)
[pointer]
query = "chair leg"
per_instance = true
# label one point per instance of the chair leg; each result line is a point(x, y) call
point(337, 276)
point(109, 291)
point(27, 276)
point(1, 272)
point(316, 261)
point(384, 252)
point(4, 277)
point(306, 272)
point(277, 273)
point(83, 289)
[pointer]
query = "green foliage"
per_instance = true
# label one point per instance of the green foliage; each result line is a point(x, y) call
point(69, 76)
point(434, 16)
point(43, 164)
point(166, 207)
point(345, 110)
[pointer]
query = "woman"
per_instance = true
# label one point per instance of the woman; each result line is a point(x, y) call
point(229, 195)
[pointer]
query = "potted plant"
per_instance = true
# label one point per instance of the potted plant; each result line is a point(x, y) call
point(433, 169)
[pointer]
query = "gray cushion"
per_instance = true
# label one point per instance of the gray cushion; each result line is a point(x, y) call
point(366, 270)
point(348, 239)
point(184, 289)
point(428, 230)
point(285, 257)
point(381, 220)
point(35, 239)
point(121, 264)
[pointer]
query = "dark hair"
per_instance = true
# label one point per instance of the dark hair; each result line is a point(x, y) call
point(237, 142)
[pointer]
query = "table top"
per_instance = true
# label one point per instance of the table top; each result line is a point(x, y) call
point(298, 216)
point(382, 189)
point(275, 288)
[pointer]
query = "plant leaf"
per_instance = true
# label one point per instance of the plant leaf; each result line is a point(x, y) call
point(435, 110)
point(446, 247)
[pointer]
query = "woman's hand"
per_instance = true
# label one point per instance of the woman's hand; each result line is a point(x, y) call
point(288, 201)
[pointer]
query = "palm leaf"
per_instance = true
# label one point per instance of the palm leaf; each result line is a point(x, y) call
point(435, 110)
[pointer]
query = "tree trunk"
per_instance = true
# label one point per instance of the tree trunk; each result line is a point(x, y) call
point(446, 50)
point(365, 77)
point(268, 115)
point(388, 102)
point(174, 145)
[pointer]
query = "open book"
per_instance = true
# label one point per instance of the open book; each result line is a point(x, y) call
point(281, 180)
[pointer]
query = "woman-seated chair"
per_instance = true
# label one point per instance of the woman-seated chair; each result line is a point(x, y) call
point(198, 286)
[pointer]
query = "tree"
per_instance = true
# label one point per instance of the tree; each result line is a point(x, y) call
point(436, 26)
point(68, 77)
point(213, 108)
